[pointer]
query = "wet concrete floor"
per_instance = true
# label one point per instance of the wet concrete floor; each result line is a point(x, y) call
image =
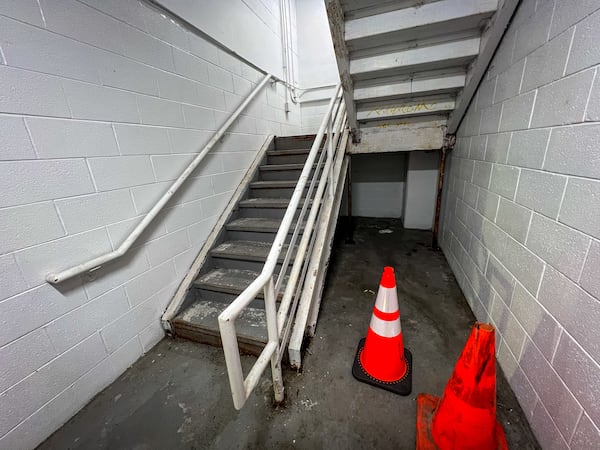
point(177, 396)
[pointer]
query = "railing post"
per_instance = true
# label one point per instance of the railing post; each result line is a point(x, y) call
point(330, 152)
point(271, 313)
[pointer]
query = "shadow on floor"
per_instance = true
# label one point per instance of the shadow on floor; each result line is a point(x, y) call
point(177, 396)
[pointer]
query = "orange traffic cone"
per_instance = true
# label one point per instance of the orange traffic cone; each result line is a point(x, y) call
point(381, 359)
point(465, 417)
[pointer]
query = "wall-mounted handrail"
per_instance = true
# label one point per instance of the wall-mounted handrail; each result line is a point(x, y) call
point(99, 261)
point(240, 387)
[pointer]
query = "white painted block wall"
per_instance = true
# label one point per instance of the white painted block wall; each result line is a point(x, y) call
point(102, 104)
point(317, 64)
point(227, 20)
point(521, 216)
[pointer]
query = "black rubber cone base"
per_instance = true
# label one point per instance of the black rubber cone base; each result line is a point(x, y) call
point(402, 387)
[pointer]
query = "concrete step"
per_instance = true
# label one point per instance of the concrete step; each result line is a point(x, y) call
point(245, 251)
point(228, 281)
point(265, 207)
point(249, 255)
point(255, 228)
point(264, 202)
point(290, 151)
point(281, 167)
point(291, 156)
point(277, 188)
point(198, 322)
point(267, 202)
point(288, 142)
point(288, 172)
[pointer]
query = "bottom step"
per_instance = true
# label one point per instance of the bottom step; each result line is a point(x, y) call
point(198, 322)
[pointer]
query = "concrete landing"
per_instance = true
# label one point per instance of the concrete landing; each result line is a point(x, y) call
point(178, 397)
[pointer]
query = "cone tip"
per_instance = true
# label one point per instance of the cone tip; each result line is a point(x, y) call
point(388, 279)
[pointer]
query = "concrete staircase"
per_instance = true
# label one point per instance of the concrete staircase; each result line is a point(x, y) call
point(239, 252)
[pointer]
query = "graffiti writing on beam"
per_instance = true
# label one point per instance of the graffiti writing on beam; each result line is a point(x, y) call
point(402, 109)
point(392, 124)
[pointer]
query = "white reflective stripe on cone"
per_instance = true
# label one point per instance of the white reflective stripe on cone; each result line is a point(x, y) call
point(385, 328)
point(387, 300)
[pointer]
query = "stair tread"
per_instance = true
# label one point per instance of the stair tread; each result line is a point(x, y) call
point(281, 142)
point(274, 184)
point(246, 250)
point(260, 224)
point(289, 152)
point(275, 167)
point(203, 314)
point(232, 281)
point(267, 202)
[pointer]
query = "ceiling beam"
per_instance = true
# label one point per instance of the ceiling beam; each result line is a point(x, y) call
point(335, 14)
point(440, 18)
point(496, 30)
point(447, 54)
point(400, 136)
point(355, 9)
point(422, 107)
point(410, 87)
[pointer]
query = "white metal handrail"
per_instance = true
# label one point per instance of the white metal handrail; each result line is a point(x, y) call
point(98, 262)
point(284, 306)
point(293, 288)
point(334, 122)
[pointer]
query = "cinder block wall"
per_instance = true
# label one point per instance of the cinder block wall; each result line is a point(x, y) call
point(102, 104)
point(521, 217)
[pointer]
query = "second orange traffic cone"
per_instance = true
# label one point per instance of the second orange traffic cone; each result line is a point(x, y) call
point(381, 359)
point(465, 417)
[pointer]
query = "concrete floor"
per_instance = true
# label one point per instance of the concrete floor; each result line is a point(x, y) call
point(177, 396)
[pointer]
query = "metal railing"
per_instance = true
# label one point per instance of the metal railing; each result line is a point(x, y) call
point(98, 262)
point(279, 322)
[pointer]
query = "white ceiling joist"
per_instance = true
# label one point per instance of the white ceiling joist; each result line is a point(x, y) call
point(424, 107)
point(410, 87)
point(447, 54)
point(422, 21)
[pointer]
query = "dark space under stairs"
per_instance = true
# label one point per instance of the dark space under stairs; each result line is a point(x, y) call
point(239, 253)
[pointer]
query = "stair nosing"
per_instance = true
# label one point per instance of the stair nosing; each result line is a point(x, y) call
point(288, 152)
point(245, 257)
point(242, 228)
point(185, 320)
point(227, 289)
point(266, 184)
point(283, 167)
point(258, 202)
